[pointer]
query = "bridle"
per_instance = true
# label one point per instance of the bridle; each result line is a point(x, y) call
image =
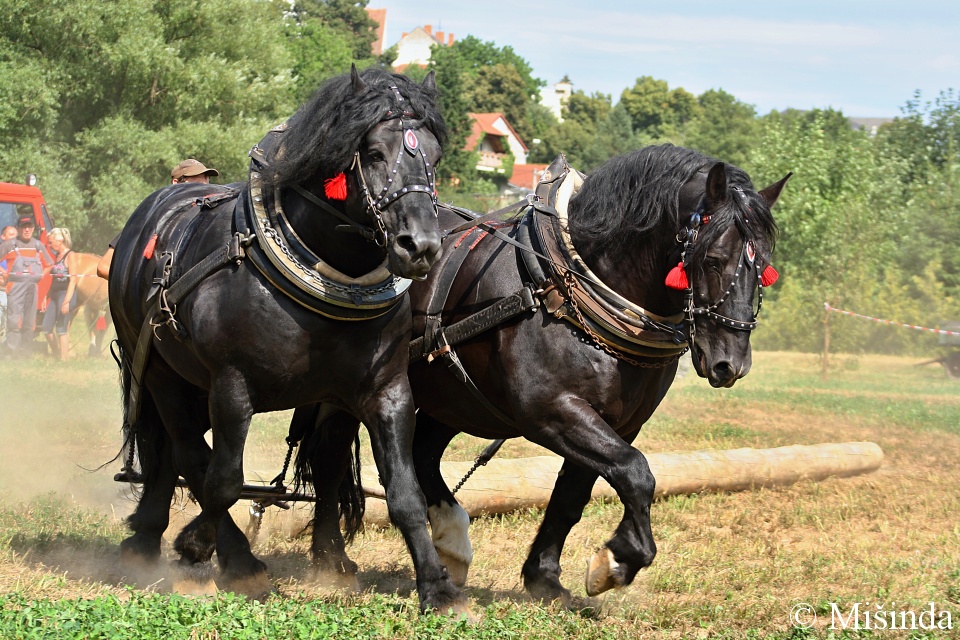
point(375, 205)
point(747, 262)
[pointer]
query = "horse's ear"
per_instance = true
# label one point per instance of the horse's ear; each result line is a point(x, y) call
point(772, 193)
point(355, 80)
point(430, 82)
point(716, 190)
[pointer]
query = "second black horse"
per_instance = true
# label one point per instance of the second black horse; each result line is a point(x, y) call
point(656, 248)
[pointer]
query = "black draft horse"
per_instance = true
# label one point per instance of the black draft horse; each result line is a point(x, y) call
point(556, 385)
point(237, 345)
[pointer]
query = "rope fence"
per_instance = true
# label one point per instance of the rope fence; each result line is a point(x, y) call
point(942, 332)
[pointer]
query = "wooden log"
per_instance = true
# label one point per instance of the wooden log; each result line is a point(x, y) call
point(505, 484)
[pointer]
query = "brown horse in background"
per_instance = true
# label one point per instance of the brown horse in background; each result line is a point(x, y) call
point(92, 298)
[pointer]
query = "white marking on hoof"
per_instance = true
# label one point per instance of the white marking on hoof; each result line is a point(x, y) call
point(449, 525)
point(600, 572)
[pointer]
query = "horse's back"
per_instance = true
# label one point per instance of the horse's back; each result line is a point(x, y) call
point(172, 222)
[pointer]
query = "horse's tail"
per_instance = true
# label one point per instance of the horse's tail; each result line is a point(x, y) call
point(352, 499)
point(320, 435)
point(144, 436)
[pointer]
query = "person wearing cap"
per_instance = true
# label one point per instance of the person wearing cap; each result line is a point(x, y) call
point(25, 258)
point(189, 170)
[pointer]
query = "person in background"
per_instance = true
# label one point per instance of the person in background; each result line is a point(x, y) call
point(25, 257)
point(189, 170)
point(62, 296)
point(7, 233)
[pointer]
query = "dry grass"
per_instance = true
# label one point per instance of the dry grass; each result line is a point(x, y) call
point(727, 563)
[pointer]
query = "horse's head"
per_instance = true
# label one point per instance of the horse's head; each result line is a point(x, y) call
point(728, 241)
point(368, 145)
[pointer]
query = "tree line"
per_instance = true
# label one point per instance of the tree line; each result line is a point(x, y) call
point(102, 99)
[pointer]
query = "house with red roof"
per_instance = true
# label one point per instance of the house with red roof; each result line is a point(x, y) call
point(380, 16)
point(494, 139)
point(414, 47)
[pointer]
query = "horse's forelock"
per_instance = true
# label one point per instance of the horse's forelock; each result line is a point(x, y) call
point(745, 209)
point(323, 135)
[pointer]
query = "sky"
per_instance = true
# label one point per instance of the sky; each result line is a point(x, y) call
point(864, 58)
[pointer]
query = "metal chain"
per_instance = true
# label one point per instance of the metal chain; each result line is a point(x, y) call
point(570, 280)
point(278, 481)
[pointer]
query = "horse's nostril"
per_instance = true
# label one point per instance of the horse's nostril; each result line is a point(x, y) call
point(408, 244)
point(723, 371)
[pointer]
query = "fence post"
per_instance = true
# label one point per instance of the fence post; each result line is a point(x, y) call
point(825, 358)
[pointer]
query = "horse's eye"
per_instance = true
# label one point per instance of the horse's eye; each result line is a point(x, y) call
point(376, 156)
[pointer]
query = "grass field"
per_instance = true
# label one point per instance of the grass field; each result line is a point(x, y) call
point(729, 565)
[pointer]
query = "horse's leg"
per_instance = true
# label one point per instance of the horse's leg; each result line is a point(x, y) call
point(577, 433)
point(390, 420)
point(330, 461)
point(541, 571)
point(230, 412)
point(449, 523)
point(150, 519)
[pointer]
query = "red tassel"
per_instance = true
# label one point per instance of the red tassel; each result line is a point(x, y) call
point(769, 276)
point(336, 187)
point(151, 245)
point(677, 278)
point(101, 324)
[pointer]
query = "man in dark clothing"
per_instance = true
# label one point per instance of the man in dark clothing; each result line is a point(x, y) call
point(24, 258)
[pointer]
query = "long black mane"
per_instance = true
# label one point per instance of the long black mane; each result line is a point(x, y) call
point(323, 135)
point(636, 194)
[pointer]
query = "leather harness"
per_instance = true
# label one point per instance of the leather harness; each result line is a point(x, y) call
point(558, 280)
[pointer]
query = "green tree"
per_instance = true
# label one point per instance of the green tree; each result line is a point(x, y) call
point(349, 18)
point(841, 222)
point(658, 112)
point(319, 51)
point(501, 89)
point(492, 79)
point(119, 92)
point(724, 127)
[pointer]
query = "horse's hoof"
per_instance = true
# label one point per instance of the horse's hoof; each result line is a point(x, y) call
point(133, 560)
point(601, 573)
point(457, 569)
point(256, 587)
point(546, 593)
point(335, 580)
point(194, 579)
point(461, 609)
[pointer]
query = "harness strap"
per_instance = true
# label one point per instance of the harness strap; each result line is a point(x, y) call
point(473, 325)
point(455, 366)
point(444, 282)
point(166, 302)
point(474, 219)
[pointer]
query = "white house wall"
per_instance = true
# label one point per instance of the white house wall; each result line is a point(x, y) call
point(519, 155)
point(414, 48)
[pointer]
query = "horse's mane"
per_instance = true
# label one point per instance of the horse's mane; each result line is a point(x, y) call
point(636, 194)
point(323, 135)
